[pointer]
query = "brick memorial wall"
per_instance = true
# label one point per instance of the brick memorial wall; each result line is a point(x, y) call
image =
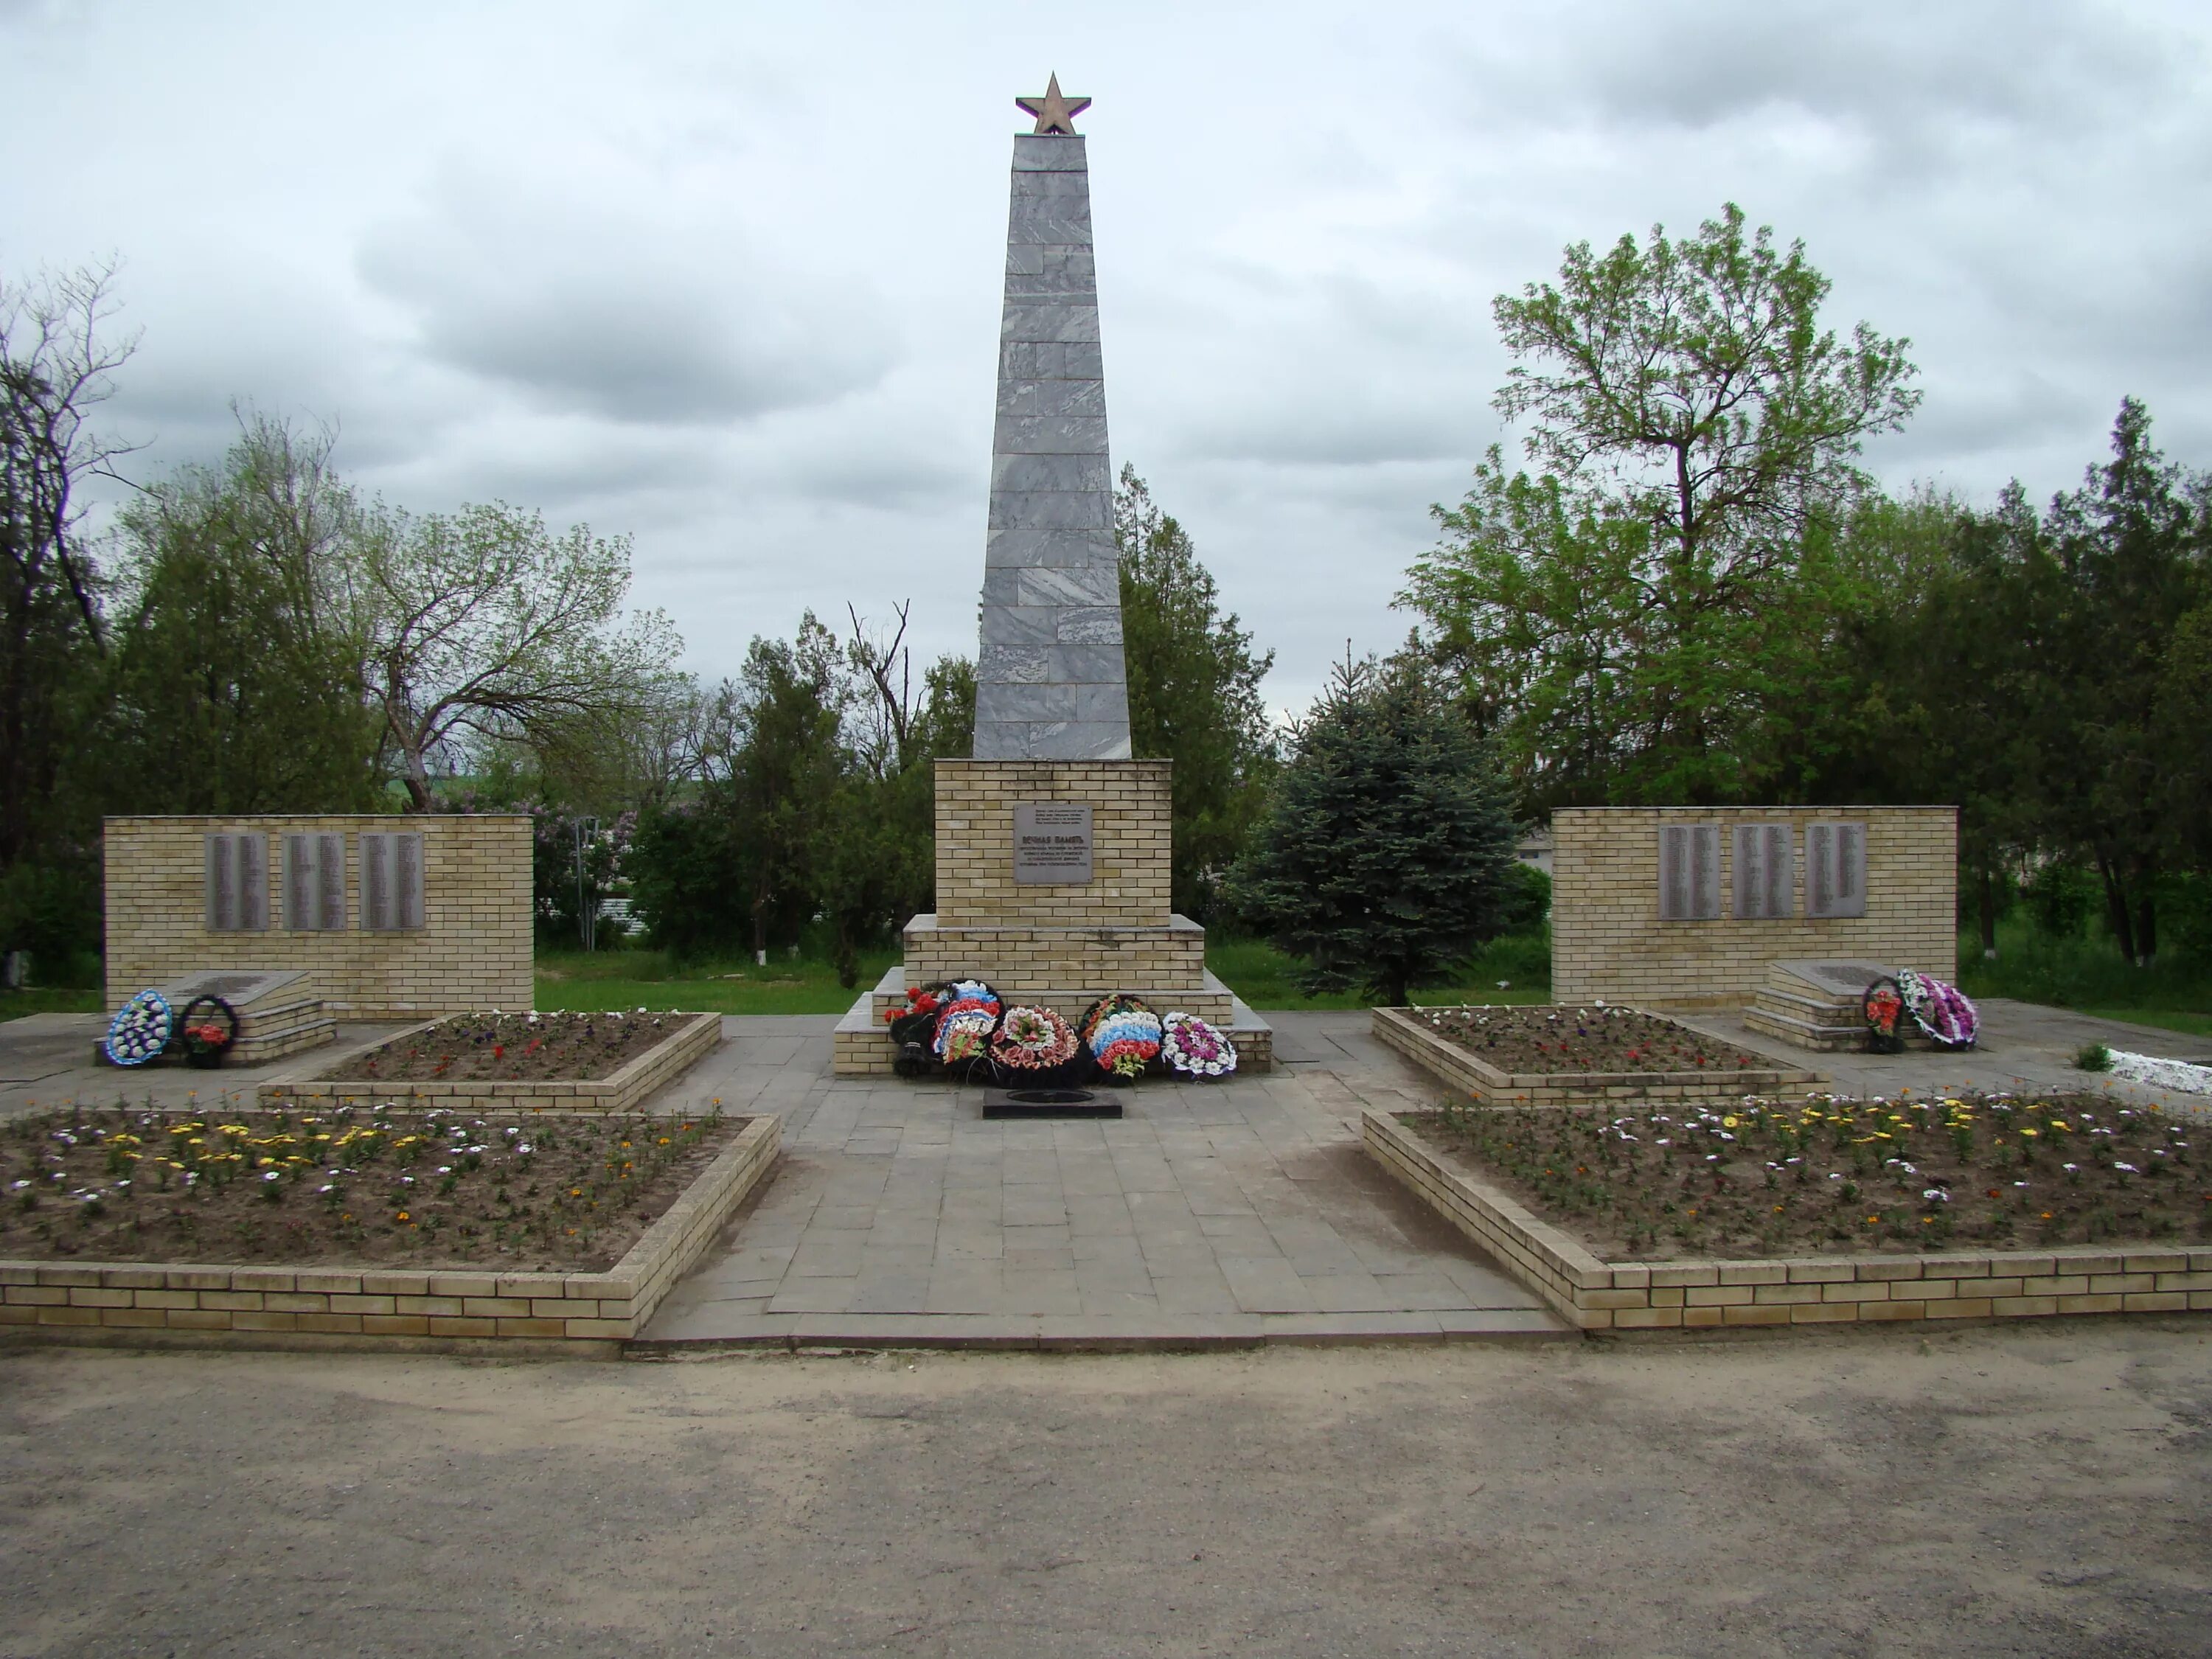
point(1874, 883)
point(385, 926)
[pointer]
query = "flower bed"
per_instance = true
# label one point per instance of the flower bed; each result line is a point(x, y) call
point(468, 1047)
point(1778, 1178)
point(540, 1191)
point(1545, 1054)
point(1597, 1294)
point(659, 1048)
point(408, 1231)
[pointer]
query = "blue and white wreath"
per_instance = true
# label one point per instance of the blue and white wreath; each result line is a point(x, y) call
point(140, 1029)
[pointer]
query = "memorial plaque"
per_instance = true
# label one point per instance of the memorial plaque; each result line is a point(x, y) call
point(1052, 843)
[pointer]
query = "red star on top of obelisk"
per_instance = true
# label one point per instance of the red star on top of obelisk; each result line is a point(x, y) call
point(1054, 112)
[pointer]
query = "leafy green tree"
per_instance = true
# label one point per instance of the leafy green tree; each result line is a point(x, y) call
point(1193, 692)
point(483, 626)
point(1386, 855)
point(1645, 618)
point(2133, 543)
point(233, 684)
point(57, 367)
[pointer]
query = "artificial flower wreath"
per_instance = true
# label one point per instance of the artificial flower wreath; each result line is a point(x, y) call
point(1123, 1034)
point(1192, 1048)
point(140, 1028)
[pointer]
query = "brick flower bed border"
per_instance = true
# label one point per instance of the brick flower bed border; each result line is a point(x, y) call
point(667, 1060)
point(1598, 1294)
point(1402, 1030)
point(151, 1304)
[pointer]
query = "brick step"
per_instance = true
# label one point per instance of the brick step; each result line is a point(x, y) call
point(1806, 1034)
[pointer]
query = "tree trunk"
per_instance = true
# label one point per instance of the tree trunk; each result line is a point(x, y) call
point(2115, 906)
point(2146, 929)
point(1989, 910)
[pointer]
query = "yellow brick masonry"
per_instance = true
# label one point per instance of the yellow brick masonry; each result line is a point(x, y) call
point(1607, 941)
point(1599, 1295)
point(1129, 852)
point(473, 949)
point(261, 1307)
point(311, 1084)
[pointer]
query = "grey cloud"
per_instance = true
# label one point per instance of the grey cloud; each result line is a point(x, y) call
point(632, 320)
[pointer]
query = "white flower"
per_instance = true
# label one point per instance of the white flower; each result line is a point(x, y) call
point(1937, 1194)
point(272, 1174)
point(2129, 1168)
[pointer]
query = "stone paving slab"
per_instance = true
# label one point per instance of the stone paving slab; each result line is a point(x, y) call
point(1231, 1214)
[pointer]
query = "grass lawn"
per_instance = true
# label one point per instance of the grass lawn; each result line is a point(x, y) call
point(42, 1000)
point(1263, 975)
point(647, 979)
point(1255, 970)
point(2089, 975)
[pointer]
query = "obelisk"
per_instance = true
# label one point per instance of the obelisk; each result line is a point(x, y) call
point(1050, 680)
point(1055, 849)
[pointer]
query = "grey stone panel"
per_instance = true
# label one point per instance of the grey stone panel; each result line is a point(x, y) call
point(1025, 260)
point(1051, 360)
point(1030, 545)
point(1002, 584)
point(1030, 186)
point(1106, 704)
point(1014, 702)
point(1081, 740)
point(1053, 509)
point(1049, 472)
point(1049, 434)
point(1090, 625)
point(1053, 398)
point(1085, 665)
point(1048, 321)
point(1050, 740)
point(1099, 583)
point(1068, 271)
point(1021, 624)
point(1050, 152)
point(1043, 224)
point(1030, 663)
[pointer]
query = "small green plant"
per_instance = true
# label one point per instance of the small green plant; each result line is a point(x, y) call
point(2094, 1058)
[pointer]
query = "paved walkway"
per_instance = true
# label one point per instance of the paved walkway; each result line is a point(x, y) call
point(1226, 1213)
point(1235, 1211)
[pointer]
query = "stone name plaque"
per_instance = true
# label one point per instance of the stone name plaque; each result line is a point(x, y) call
point(1052, 842)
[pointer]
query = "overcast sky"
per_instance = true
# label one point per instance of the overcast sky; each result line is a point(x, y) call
point(725, 278)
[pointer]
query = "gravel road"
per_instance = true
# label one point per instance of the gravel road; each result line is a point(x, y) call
point(2024, 1490)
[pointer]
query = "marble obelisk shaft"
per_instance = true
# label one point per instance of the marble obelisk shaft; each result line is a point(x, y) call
point(1049, 679)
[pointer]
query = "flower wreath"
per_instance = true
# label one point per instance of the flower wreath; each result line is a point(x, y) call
point(140, 1028)
point(1883, 1005)
point(1939, 1009)
point(1192, 1048)
point(965, 1022)
point(1035, 1046)
point(915, 1020)
point(1123, 1034)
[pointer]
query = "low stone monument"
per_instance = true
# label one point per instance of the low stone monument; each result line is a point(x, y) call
point(1053, 844)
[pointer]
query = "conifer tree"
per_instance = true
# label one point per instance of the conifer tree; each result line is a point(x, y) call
point(1386, 855)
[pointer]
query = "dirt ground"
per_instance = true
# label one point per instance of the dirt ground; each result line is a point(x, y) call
point(2021, 1491)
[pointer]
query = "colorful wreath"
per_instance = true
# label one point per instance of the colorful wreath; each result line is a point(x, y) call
point(965, 1022)
point(1883, 1005)
point(1034, 1039)
point(1123, 1034)
point(1193, 1048)
point(1940, 1010)
point(915, 1020)
point(140, 1029)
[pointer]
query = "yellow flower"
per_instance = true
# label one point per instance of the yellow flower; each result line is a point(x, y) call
point(2029, 1133)
point(1728, 1123)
